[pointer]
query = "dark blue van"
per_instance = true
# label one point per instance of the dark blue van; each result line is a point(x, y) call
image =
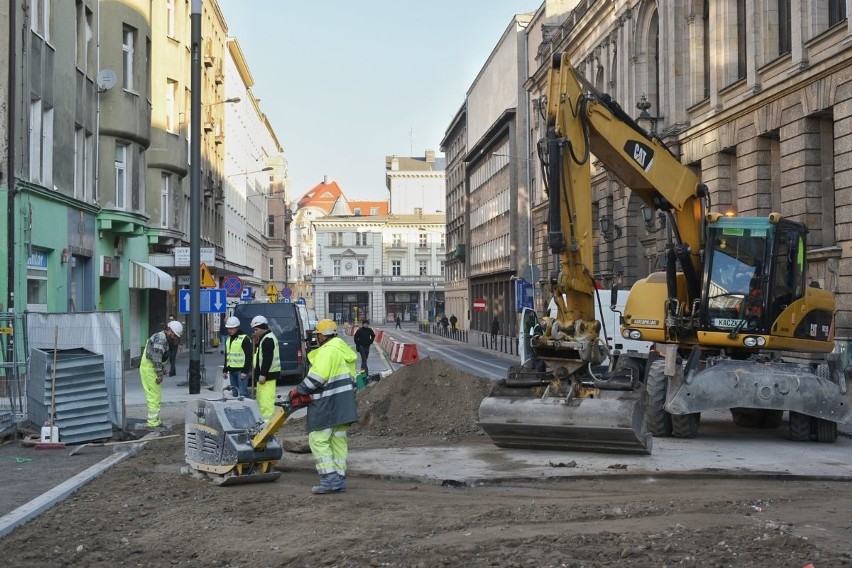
point(285, 323)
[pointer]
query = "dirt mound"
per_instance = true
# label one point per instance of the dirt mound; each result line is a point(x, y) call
point(428, 398)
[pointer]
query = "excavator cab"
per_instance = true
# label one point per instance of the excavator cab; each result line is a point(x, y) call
point(754, 287)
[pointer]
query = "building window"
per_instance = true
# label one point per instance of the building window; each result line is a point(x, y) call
point(336, 267)
point(374, 211)
point(271, 270)
point(171, 106)
point(836, 11)
point(396, 268)
point(362, 267)
point(40, 18)
point(423, 267)
point(128, 41)
point(423, 240)
point(270, 226)
point(165, 194)
point(442, 268)
point(170, 18)
point(41, 144)
point(785, 33)
point(121, 168)
point(84, 36)
point(83, 163)
point(37, 281)
point(397, 240)
point(443, 240)
point(357, 211)
point(361, 239)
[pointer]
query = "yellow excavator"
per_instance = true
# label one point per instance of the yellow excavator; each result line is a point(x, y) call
point(735, 322)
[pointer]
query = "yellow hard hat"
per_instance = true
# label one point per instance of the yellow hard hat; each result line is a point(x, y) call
point(326, 327)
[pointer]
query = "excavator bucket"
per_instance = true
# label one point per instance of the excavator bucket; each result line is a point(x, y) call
point(524, 417)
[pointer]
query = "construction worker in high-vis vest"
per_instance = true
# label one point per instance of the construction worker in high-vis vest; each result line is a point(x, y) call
point(238, 357)
point(152, 369)
point(267, 365)
point(331, 408)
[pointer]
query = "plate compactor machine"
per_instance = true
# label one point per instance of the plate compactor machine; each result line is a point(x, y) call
point(229, 443)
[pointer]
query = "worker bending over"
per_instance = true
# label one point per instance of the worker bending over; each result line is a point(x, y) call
point(152, 368)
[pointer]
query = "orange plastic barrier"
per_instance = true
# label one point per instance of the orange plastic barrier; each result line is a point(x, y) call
point(409, 353)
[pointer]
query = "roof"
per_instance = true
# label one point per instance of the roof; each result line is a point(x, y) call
point(322, 196)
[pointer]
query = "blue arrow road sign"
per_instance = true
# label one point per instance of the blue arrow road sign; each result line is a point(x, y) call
point(213, 300)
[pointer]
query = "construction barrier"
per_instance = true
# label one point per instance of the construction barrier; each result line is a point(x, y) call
point(379, 334)
point(409, 353)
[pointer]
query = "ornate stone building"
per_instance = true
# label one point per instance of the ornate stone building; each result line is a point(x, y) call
point(755, 95)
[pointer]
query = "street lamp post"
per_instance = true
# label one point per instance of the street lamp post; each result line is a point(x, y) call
point(195, 204)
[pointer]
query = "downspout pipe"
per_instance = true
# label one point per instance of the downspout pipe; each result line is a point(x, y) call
point(11, 175)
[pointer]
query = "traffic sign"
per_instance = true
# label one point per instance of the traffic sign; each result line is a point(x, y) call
point(206, 278)
point(271, 290)
point(245, 295)
point(479, 305)
point(286, 292)
point(213, 300)
point(301, 301)
point(233, 286)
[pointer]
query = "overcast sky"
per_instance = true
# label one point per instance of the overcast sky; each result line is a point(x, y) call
point(346, 82)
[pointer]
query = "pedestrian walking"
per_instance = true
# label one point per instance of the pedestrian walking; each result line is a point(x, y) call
point(174, 344)
point(152, 369)
point(266, 367)
point(445, 323)
point(398, 322)
point(364, 338)
point(238, 355)
point(495, 330)
point(331, 387)
point(453, 321)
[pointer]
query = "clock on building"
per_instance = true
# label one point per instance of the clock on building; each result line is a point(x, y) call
point(348, 266)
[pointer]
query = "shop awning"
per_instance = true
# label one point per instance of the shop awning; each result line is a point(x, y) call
point(144, 275)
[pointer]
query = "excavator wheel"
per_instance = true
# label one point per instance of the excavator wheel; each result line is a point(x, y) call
point(657, 420)
point(800, 427)
point(685, 425)
point(825, 430)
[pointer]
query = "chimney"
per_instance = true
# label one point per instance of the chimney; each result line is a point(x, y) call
point(394, 164)
point(430, 156)
point(418, 211)
point(327, 179)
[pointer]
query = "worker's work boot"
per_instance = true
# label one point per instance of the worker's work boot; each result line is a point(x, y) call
point(341, 485)
point(329, 483)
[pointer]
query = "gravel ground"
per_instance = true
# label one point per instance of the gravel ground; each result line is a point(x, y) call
point(143, 513)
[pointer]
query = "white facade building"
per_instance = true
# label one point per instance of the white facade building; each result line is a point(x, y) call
point(376, 268)
point(253, 168)
point(416, 184)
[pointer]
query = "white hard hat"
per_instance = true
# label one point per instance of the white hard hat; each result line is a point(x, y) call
point(233, 322)
point(259, 320)
point(176, 327)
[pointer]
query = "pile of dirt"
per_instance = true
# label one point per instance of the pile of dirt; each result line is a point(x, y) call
point(427, 399)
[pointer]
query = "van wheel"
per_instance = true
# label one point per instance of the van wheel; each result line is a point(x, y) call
point(657, 420)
